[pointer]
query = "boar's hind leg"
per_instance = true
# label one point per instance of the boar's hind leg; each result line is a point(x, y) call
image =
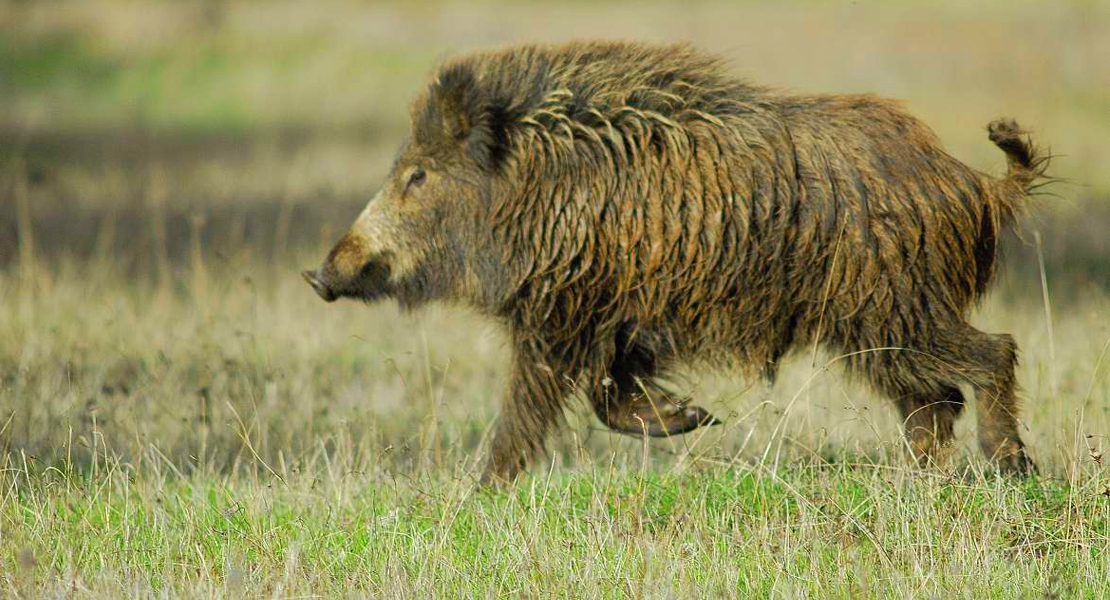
point(922, 381)
point(926, 397)
point(928, 419)
point(630, 401)
point(988, 362)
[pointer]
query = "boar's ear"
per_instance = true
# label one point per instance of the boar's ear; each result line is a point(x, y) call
point(455, 97)
point(469, 117)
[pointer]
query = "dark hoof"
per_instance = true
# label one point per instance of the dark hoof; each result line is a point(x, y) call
point(1017, 464)
point(687, 419)
point(661, 420)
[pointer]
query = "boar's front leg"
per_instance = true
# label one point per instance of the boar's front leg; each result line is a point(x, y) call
point(533, 406)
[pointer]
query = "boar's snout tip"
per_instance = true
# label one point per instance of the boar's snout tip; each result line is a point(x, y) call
point(321, 288)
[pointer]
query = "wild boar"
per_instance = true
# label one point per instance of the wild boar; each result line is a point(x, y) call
point(620, 207)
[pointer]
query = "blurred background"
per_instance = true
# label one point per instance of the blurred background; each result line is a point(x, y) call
point(265, 124)
point(167, 167)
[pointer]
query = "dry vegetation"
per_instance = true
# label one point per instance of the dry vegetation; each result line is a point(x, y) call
point(180, 416)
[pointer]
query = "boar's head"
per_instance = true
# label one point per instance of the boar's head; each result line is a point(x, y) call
point(425, 235)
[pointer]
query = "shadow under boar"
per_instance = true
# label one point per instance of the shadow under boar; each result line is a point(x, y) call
point(620, 207)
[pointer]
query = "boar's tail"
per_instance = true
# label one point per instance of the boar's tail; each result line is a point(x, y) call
point(1027, 166)
point(1005, 196)
point(1027, 163)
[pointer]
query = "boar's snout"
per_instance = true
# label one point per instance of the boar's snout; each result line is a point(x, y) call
point(349, 272)
point(340, 270)
point(318, 283)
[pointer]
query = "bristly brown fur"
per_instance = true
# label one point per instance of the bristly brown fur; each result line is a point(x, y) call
point(644, 207)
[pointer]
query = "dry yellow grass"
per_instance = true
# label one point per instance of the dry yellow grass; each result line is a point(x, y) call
point(244, 441)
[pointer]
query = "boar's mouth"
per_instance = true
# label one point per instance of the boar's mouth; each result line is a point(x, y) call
point(371, 282)
point(319, 286)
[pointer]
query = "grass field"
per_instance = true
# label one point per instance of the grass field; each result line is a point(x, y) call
point(243, 441)
point(180, 416)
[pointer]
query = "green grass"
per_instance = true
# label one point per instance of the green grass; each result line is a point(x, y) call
point(213, 82)
point(836, 531)
point(42, 62)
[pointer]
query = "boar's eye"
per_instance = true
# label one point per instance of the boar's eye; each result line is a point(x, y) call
point(416, 178)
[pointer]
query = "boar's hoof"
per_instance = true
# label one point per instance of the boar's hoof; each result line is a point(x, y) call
point(1016, 463)
point(660, 419)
